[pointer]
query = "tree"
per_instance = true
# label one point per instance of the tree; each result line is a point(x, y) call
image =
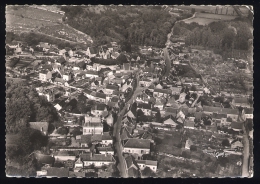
point(158, 116)
point(63, 131)
point(10, 36)
point(178, 127)
point(193, 148)
point(81, 105)
point(30, 140)
point(193, 88)
point(193, 10)
point(147, 172)
point(139, 112)
point(225, 143)
point(143, 118)
point(121, 59)
point(223, 161)
point(126, 46)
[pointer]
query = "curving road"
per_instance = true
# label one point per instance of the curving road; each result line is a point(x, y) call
point(117, 128)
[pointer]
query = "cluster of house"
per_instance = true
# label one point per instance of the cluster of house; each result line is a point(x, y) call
point(64, 75)
point(169, 99)
point(92, 149)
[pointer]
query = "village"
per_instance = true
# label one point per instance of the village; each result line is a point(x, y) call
point(148, 113)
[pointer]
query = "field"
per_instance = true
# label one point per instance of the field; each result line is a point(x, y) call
point(17, 24)
point(64, 32)
point(206, 18)
point(24, 19)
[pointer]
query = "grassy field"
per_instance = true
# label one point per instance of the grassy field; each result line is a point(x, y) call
point(206, 18)
point(24, 19)
point(200, 21)
point(64, 32)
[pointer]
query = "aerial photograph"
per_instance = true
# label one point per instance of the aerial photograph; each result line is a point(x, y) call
point(129, 91)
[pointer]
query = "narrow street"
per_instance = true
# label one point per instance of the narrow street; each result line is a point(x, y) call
point(116, 132)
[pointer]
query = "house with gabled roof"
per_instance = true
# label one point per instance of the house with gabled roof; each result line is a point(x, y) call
point(111, 88)
point(231, 113)
point(98, 160)
point(170, 121)
point(92, 51)
point(131, 166)
point(189, 124)
point(249, 113)
point(92, 125)
point(107, 139)
point(131, 114)
point(62, 156)
point(137, 146)
point(241, 101)
point(161, 92)
point(41, 126)
point(45, 75)
point(101, 97)
point(147, 163)
point(105, 150)
point(236, 126)
point(209, 110)
point(98, 109)
point(145, 82)
point(91, 74)
point(146, 108)
point(222, 119)
point(171, 111)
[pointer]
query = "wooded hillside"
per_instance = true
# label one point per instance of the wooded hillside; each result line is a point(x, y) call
point(136, 24)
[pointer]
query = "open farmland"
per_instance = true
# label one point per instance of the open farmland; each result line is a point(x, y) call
point(30, 12)
point(24, 19)
point(198, 8)
point(64, 32)
point(206, 18)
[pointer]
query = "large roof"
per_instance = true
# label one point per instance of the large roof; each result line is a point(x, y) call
point(96, 157)
point(137, 143)
point(211, 109)
point(236, 125)
point(240, 100)
point(147, 162)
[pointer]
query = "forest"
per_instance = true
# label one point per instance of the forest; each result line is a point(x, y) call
point(223, 37)
point(137, 24)
point(24, 105)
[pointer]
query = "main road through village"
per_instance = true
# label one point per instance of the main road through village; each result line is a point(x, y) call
point(117, 128)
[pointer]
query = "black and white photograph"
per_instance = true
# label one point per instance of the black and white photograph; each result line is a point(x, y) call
point(129, 91)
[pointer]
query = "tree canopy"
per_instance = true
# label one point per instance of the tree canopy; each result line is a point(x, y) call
point(135, 25)
point(25, 105)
